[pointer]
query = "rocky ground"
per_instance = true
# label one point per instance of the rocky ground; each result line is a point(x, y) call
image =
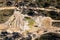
point(30, 20)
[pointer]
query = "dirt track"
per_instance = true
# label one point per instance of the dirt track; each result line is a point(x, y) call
point(35, 8)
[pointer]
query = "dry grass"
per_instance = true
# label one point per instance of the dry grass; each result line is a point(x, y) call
point(4, 15)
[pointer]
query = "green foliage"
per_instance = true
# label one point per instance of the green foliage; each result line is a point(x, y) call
point(30, 21)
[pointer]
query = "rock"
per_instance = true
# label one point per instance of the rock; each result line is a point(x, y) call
point(4, 33)
point(16, 35)
point(8, 38)
point(50, 36)
point(29, 37)
point(9, 3)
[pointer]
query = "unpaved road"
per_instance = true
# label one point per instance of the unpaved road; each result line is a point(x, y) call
point(35, 8)
point(3, 8)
